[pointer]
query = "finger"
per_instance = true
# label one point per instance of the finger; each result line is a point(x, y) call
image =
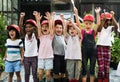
point(22, 13)
point(35, 12)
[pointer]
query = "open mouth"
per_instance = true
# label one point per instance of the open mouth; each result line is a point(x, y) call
point(72, 32)
point(12, 35)
point(45, 30)
point(58, 31)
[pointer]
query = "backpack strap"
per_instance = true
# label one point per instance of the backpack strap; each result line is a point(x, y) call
point(83, 32)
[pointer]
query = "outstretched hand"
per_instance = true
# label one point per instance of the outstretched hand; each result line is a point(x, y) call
point(112, 13)
point(22, 14)
point(98, 9)
point(62, 16)
point(75, 10)
point(37, 15)
point(47, 16)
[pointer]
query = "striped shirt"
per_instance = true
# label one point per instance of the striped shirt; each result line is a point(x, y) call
point(13, 49)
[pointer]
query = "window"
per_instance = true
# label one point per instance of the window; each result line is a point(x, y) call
point(9, 8)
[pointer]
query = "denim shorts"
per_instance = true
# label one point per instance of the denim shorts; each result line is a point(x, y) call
point(12, 66)
point(46, 64)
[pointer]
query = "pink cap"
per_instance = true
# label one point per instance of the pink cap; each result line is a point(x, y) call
point(44, 22)
point(88, 18)
point(106, 15)
point(31, 21)
point(13, 26)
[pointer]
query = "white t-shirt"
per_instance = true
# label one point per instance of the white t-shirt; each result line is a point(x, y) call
point(31, 48)
point(13, 49)
point(105, 36)
point(73, 50)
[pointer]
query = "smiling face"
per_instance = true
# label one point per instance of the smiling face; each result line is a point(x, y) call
point(12, 34)
point(29, 29)
point(88, 24)
point(45, 29)
point(72, 31)
point(59, 29)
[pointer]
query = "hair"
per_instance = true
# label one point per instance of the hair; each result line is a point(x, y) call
point(68, 28)
point(17, 33)
point(58, 22)
point(108, 20)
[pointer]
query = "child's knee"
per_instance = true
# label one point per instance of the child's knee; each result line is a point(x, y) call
point(40, 74)
point(11, 75)
point(48, 75)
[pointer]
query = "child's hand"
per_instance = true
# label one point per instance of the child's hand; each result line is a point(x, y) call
point(22, 14)
point(97, 10)
point(53, 14)
point(4, 59)
point(75, 10)
point(47, 16)
point(62, 16)
point(112, 13)
point(22, 60)
point(68, 22)
point(37, 15)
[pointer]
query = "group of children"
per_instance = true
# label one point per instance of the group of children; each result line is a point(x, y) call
point(64, 47)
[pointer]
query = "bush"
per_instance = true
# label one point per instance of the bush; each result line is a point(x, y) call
point(2, 40)
point(115, 50)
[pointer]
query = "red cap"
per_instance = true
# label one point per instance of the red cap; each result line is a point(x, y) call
point(31, 21)
point(88, 18)
point(107, 15)
point(13, 26)
point(58, 22)
point(44, 22)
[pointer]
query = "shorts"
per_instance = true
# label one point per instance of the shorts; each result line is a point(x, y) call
point(12, 66)
point(59, 65)
point(46, 64)
point(74, 69)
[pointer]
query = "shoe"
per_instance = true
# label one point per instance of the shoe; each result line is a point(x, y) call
point(106, 80)
point(100, 80)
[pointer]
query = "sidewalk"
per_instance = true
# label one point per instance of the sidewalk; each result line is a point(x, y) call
point(22, 76)
point(113, 76)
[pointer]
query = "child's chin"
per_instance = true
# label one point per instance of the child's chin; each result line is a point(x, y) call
point(12, 37)
point(45, 33)
point(28, 33)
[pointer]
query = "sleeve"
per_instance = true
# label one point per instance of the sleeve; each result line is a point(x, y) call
point(6, 43)
point(20, 43)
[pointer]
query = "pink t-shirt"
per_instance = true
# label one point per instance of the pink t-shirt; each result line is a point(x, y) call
point(45, 49)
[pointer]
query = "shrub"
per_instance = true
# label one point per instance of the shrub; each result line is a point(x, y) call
point(115, 50)
point(2, 39)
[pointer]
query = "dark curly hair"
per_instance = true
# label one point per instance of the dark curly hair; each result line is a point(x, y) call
point(17, 33)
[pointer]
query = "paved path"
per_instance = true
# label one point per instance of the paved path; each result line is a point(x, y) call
point(113, 76)
point(22, 75)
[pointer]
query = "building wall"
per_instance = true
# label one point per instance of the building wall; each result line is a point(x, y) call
point(8, 8)
point(12, 8)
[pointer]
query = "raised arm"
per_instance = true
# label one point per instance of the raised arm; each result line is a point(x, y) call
point(114, 20)
point(38, 18)
point(75, 26)
point(99, 27)
point(48, 17)
point(22, 15)
point(77, 17)
point(64, 24)
point(53, 19)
